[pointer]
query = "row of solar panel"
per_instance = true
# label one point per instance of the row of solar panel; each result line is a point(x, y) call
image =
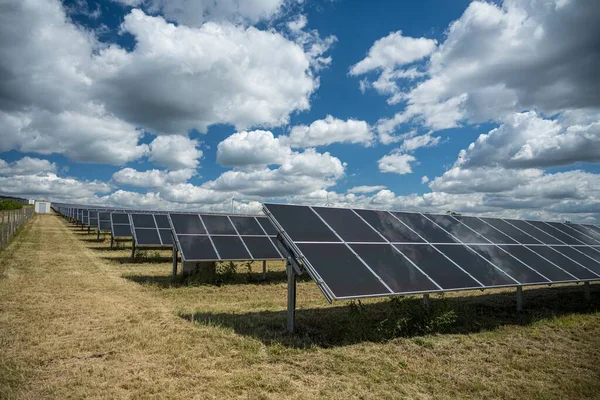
point(200, 237)
point(362, 253)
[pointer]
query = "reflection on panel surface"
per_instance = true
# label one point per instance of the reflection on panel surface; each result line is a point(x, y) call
point(508, 264)
point(302, 224)
point(395, 270)
point(348, 225)
point(389, 226)
point(485, 230)
point(538, 263)
point(424, 227)
point(533, 231)
point(341, 270)
point(579, 233)
point(479, 268)
point(509, 230)
point(582, 259)
point(438, 267)
point(553, 231)
point(456, 229)
point(565, 263)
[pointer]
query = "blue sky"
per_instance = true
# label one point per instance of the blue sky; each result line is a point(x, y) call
point(379, 104)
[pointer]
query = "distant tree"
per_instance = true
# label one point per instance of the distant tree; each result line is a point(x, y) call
point(449, 212)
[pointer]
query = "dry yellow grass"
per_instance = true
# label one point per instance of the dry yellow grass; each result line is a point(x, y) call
point(80, 321)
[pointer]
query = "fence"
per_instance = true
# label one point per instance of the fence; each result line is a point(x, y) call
point(10, 221)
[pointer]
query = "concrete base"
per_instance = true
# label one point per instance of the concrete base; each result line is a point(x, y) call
point(191, 267)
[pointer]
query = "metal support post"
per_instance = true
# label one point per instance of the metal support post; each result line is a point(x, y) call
point(89, 228)
point(98, 234)
point(291, 299)
point(426, 299)
point(264, 270)
point(132, 250)
point(112, 239)
point(174, 261)
point(586, 290)
point(519, 298)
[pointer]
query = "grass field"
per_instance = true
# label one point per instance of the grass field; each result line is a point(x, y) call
point(78, 320)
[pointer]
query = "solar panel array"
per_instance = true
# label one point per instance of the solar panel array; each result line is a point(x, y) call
point(354, 253)
point(209, 237)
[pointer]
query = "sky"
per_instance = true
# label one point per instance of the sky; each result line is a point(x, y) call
point(479, 107)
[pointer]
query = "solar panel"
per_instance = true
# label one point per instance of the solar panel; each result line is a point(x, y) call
point(211, 237)
point(120, 225)
point(353, 253)
point(104, 223)
point(151, 230)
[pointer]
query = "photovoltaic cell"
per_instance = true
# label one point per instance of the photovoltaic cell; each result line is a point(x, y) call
point(593, 228)
point(261, 247)
point(590, 252)
point(247, 226)
point(147, 237)
point(509, 230)
point(348, 225)
point(121, 231)
point(162, 221)
point(478, 267)
point(587, 231)
point(551, 230)
point(197, 247)
point(456, 229)
point(572, 230)
point(565, 263)
point(508, 264)
point(104, 225)
point(343, 272)
point(218, 225)
point(143, 221)
point(166, 236)
point(230, 248)
point(536, 262)
point(302, 224)
point(118, 218)
point(393, 268)
point(187, 224)
point(267, 226)
point(389, 226)
point(438, 267)
point(425, 228)
point(580, 258)
point(533, 231)
point(485, 230)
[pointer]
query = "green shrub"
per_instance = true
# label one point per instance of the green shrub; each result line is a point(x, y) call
point(10, 205)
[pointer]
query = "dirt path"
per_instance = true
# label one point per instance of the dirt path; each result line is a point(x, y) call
point(72, 329)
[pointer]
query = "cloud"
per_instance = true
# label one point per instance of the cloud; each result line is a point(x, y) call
point(396, 163)
point(424, 179)
point(26, 166)
point(366, 189)
point(394, 51)
point(252, 148)
point(151, 178)
point(197, 12)
point(538, 55)
point(51, 186)
point(330, 130)
point(527, 140)
point(179, 78)
point(175, 152)
point(416, 142)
